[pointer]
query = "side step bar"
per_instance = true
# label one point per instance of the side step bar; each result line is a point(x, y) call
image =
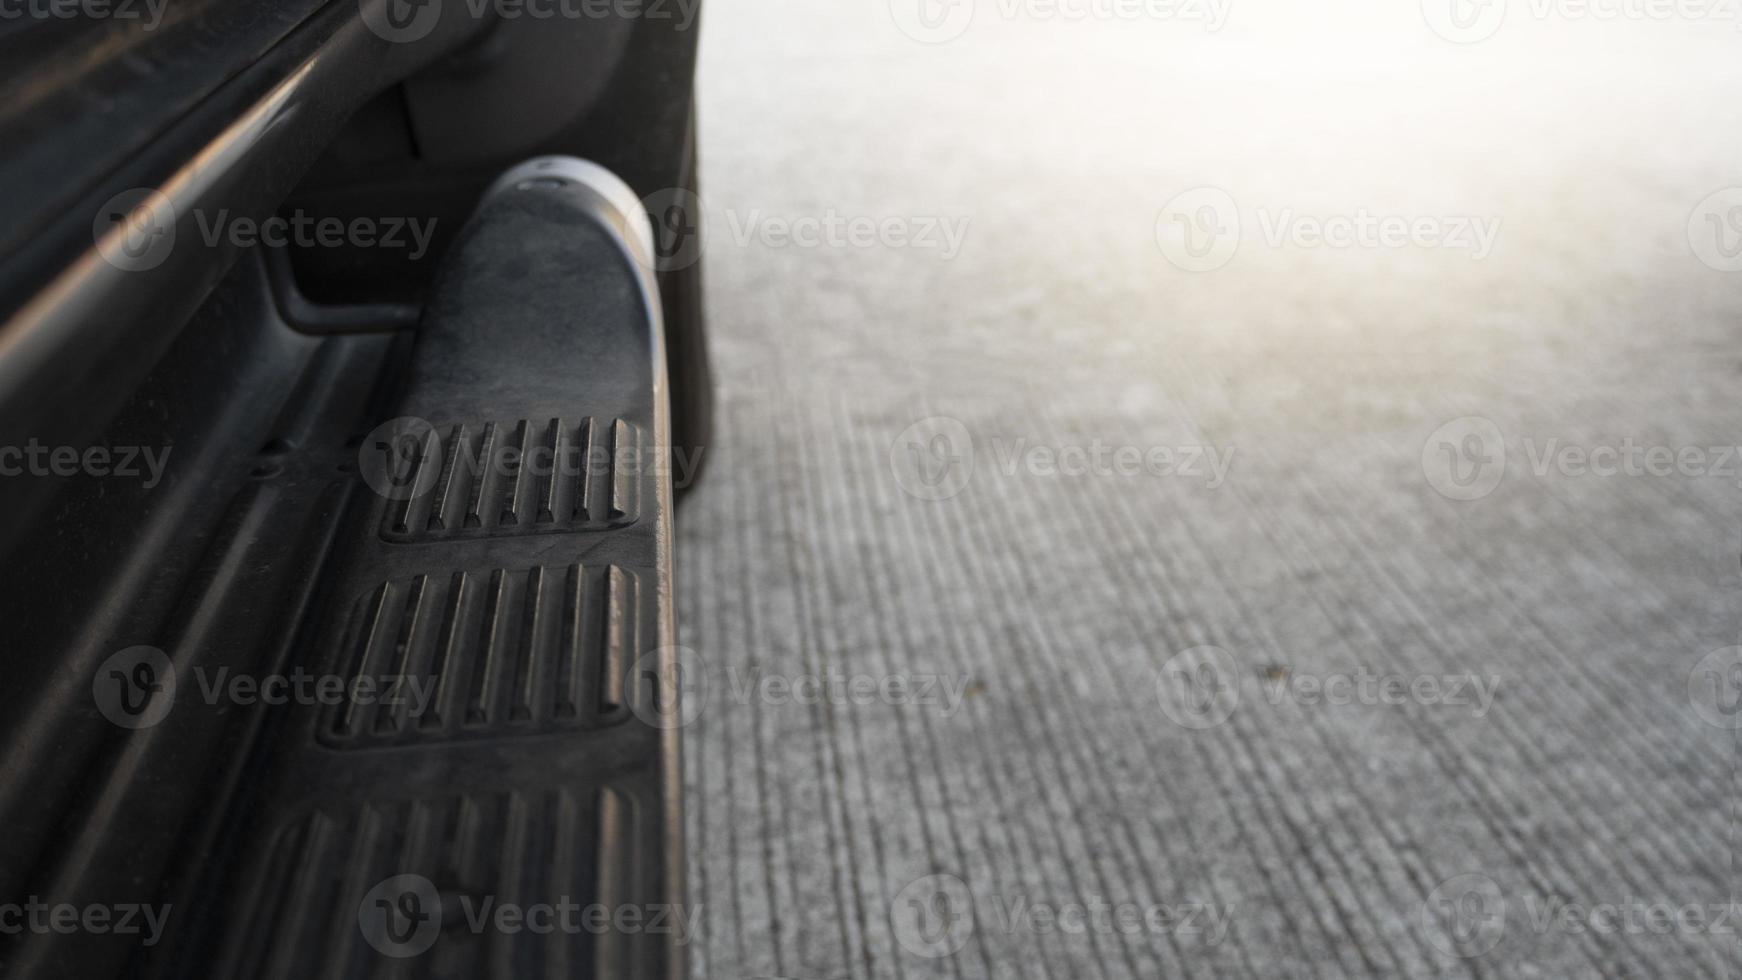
point(466, 619)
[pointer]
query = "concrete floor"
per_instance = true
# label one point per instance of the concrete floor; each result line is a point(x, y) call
point(1112, 684)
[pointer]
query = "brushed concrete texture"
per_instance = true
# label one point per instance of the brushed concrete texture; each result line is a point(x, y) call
point(1552, 721)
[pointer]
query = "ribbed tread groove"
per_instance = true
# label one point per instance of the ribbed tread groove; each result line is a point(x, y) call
point(497, 653)
point(529, 476)
point(523, 848)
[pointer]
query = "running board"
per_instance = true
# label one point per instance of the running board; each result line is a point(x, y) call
point(451, 567)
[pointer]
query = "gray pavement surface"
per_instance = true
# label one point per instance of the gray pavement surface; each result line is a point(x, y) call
point(1329, 612)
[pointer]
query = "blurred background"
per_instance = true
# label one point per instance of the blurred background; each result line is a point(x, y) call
point(1103, 224)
